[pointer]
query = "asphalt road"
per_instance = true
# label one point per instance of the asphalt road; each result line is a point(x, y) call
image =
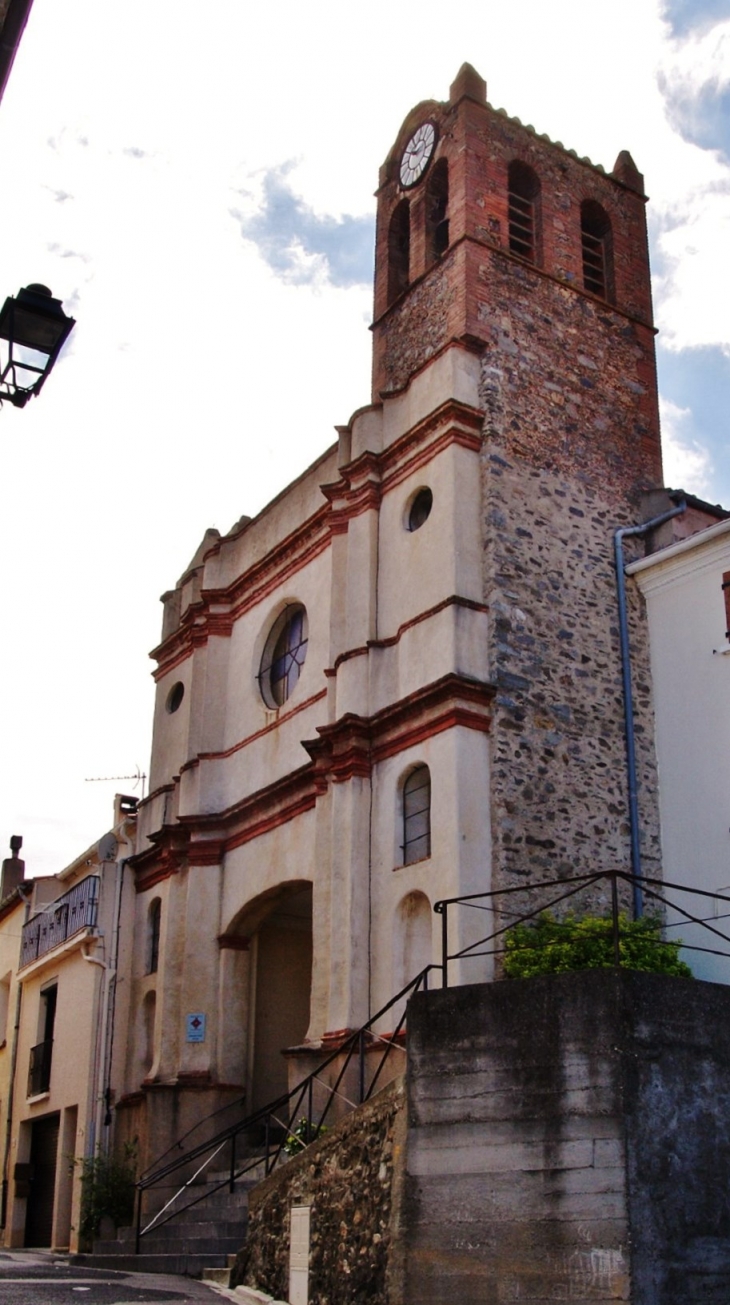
point(42, 1278)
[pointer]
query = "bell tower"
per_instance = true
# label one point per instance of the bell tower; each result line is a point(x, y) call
point(497, 243)
point(499, 239)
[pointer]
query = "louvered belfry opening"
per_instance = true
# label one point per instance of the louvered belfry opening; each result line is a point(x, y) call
point(523, 197)
point(399, 250)
point(437, 211)
point(596, 242)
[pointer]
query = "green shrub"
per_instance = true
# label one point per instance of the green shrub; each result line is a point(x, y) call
point(550, 946)
point(107, 1190)
point(301, 1135)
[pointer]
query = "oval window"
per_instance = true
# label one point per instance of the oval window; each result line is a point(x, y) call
point(175, 697)
point(420, 509)
point(284, 655)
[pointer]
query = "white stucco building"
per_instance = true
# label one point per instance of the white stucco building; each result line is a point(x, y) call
point(320, 770)
point(689, 622)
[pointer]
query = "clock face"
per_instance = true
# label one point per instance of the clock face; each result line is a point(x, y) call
point(417, 154)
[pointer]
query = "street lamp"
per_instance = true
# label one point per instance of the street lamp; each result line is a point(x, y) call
point(36, 329)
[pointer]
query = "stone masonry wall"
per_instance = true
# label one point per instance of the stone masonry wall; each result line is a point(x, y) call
point(564, 464)
point(348, 1180)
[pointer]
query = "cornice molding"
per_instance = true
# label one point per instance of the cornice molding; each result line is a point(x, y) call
point(281, 562)
point(360, 488)
point(364, 481)
point(349, 748)
point(354, 744)
point(468, 604)
point(281, 718)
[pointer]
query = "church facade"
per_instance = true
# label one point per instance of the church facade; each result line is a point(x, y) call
point(401, 681)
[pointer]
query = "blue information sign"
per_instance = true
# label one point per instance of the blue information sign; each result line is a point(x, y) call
point(195, 1027)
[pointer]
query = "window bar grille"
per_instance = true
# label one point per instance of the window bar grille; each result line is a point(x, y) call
point(594, 264)
point(521, 226)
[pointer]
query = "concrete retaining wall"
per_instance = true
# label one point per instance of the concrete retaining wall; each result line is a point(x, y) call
point(569, 1140)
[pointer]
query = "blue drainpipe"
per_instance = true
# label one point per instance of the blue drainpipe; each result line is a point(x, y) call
point(618, 542)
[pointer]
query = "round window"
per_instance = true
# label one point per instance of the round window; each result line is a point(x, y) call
point(175, 697)
point(284, 654)
point(420, 509)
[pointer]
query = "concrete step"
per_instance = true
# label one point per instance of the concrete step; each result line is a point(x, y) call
point(220, 1276)
point(229, 1236)
point(225, 1200)
point(220, 1247)
point(201, 1236)
point(191, 1266)
point(246, 1180)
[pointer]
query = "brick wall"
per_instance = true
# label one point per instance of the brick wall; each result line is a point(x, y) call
point(478, 143)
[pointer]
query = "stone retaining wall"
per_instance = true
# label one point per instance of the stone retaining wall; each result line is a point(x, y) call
point(348, 1180)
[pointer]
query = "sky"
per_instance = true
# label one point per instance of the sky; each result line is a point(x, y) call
point(195, 182)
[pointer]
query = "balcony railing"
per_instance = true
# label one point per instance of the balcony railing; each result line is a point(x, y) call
point(61, 919)
point(39, 1071)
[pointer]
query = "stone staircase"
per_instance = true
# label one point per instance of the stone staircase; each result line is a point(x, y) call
point(205, 1237)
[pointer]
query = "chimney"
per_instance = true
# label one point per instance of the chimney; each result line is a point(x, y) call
point(13, 872)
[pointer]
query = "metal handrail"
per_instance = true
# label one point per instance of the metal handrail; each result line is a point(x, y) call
point(283, 1115)
point(654, 889)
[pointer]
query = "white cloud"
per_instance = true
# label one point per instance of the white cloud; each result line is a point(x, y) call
point(690, 63)
point(694, 245)
point(687, 464)
point(690, 189)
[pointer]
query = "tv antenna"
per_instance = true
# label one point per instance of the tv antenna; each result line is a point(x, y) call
point(139, 778)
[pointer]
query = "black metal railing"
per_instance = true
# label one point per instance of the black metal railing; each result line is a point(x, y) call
point(39, 1069)
point(356, 1067)
point(701, 916)
point(61, 919)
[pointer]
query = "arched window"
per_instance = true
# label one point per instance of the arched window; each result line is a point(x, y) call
point(399, 250)
point(417, 815)
point(153, 935)
point(595, 229)
point(524, 205)
point(437, 212)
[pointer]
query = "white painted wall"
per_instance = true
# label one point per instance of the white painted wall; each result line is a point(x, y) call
point(690, 659)
point(392, 612)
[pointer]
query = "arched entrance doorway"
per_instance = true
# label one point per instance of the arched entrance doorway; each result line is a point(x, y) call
point(282, 973)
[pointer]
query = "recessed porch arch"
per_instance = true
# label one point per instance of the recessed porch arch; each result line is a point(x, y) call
point(266, 979)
